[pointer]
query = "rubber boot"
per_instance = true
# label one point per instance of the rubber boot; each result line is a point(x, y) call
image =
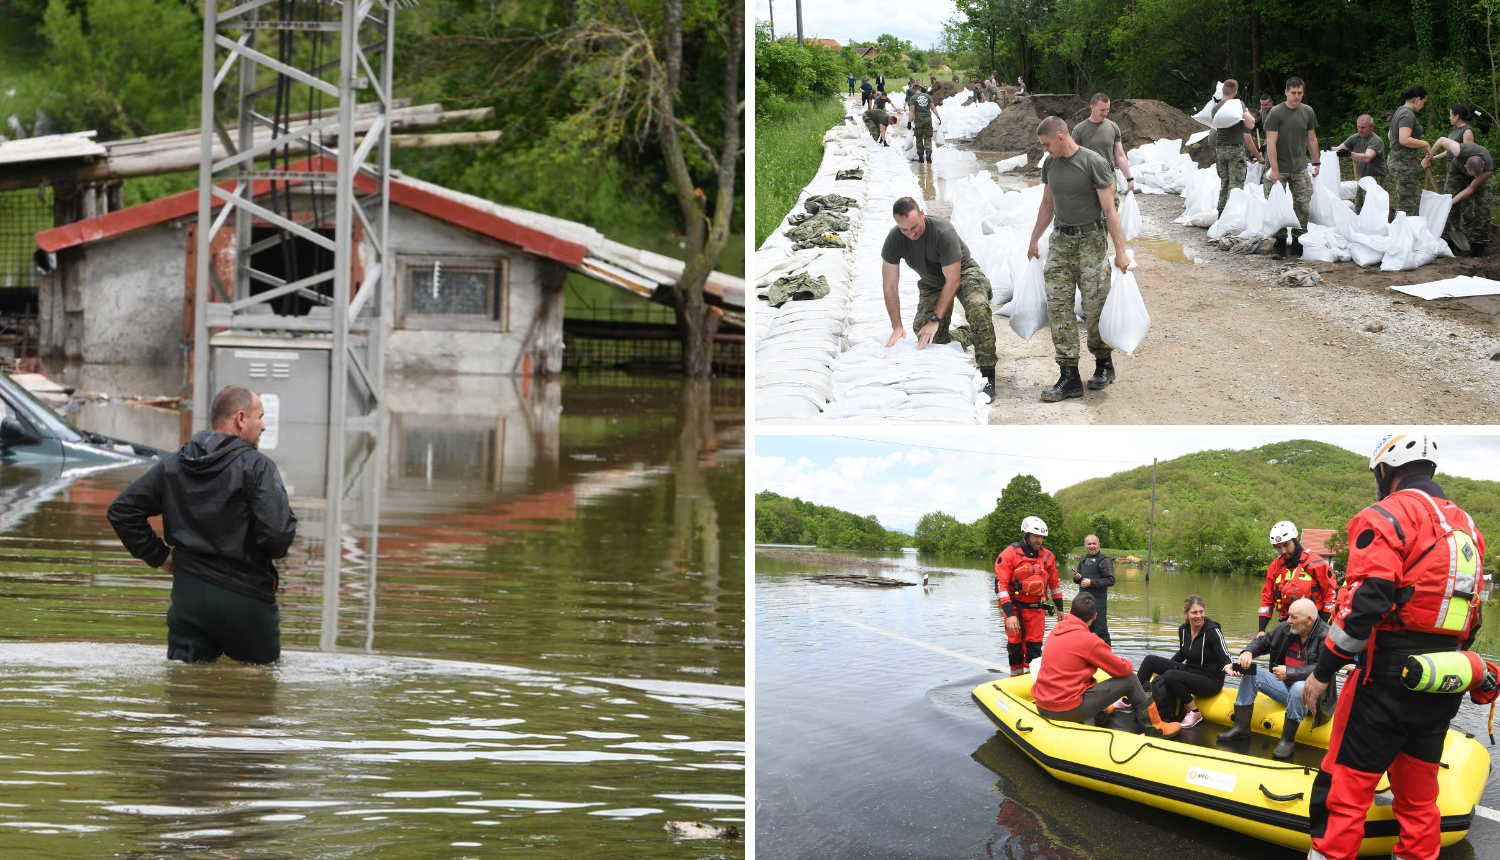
point(1168, 730)
point(1296, 247)
point(1069, 384)
point(1477, 250)
point(1288, 741)
point(989, 383)
point(1241, 730)
point(1279, 252)
point(1104, 373)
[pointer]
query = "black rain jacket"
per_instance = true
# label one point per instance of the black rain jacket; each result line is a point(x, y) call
point(225, 515)
point(1207, 653)
point(1276, 644)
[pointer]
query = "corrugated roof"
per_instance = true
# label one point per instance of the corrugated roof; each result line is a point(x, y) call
point(51, 147)
point(567, 242)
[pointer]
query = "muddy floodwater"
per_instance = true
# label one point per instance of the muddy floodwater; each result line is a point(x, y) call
point(545, 654)
point(868, 745)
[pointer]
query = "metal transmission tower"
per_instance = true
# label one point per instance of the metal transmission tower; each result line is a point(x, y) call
point(296, 252)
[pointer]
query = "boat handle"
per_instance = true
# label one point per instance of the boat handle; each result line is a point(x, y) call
point(1022, 728)
point(1267, 793)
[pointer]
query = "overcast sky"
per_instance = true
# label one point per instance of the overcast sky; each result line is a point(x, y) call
point(899, 478)
point(846, 20)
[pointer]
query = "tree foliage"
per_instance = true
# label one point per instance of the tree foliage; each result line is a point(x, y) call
point(1022, 498)
point(779, 519)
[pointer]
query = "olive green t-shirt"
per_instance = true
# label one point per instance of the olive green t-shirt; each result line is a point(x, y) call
point(1291, 127)
point(921, 104)
point(1099, 137)
point(1376, 167)
point(1075, 182)
point(1467, 151)
point(938, 246)
point(876, 115)
point(1232, 136)
point(1403, 118)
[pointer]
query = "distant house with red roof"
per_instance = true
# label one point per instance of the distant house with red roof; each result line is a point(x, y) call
point(830, 44)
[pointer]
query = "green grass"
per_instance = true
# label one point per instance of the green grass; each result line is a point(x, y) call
point(788, 150)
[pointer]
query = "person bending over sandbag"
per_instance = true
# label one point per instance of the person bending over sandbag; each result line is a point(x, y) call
point(1473, 202)
point(1295, 647)
point(1197, 669)
point(946, 272)
point(1291, 133)
point(1064, 687)
point(1078, 193)
point(877, 121)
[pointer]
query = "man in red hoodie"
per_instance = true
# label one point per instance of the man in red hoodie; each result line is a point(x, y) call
point(1064, 687)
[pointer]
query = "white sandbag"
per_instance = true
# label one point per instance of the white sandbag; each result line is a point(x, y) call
point(1401, 256)
point(1253, 174)
point(1348, 190)
point(1204, 196)
point(1279, 212)
point(1010, 164)
point(1078, 304)
point(1372, 216)
point(1229, 114)
point(1255, 214)
point(1321, 253)
point(1121, 183)
point(1206, 115)
point(1435, 208)
point(1028, 312)
point(1124, 322)
point(1320, 209)
point(1232, 219)
point(1328, 172)
point(938, 137)
point(1130, 217)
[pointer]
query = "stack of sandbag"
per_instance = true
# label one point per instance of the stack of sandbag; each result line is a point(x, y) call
point(1161, 167)
point(961, 122)
point(1201, 195)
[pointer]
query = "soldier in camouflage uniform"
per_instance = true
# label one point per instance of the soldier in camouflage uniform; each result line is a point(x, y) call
point(1230, 146)
point(947, 274)
point(1404, 169)
point(877, 121)
point(1473, 202)
point(920, 110)
point(1291, 135)
point(1078, 196)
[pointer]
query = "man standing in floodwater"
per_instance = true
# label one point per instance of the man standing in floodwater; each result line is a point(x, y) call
point(226, 519)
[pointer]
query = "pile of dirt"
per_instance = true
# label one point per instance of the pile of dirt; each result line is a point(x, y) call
point(944, 89)
point(1141, 121)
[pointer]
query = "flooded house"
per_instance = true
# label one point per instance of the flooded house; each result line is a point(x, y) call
point(478, 288)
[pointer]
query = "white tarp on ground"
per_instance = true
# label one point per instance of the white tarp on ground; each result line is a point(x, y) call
point(1461, 287)
point(825, 360)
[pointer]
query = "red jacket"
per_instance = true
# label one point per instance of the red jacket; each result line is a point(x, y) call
point(1035, 574)
point(1308, 576)
point(1069, 659)
point(1386, 541)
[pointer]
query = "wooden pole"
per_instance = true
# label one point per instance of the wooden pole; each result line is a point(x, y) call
point(799, 23)
point(772, 5)
point(1151, 536)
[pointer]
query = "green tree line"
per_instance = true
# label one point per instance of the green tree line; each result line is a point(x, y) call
point(1356, 57)
point(779, 519)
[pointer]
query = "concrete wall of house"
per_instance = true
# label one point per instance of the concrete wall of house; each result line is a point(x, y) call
point(121, 302)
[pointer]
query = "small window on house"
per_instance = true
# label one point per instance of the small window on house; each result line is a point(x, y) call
point(455, 294)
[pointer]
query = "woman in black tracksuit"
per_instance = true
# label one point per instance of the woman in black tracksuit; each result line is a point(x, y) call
point(1197, 669)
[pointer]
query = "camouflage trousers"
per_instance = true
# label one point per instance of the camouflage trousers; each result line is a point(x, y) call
point(923, 130)
point(874, 129)
point(1230, 160)
point(974, 294)
point(1403, 179)
point(1455, 181)
point(1474, 215)
point(1300, 185)
point(1076, 262)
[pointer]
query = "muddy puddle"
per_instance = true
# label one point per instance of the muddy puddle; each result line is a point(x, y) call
point(869, 745)
point(546, 653)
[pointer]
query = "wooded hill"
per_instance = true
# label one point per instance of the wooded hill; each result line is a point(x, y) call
point(779, 519)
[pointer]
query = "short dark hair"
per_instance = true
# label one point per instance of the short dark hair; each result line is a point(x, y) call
point(1084, 606)
point(1267, 97)
point(1295, 82)
point(229, 400)
point(1051, 127)
point(1099, 97)
point(1462, 111)
point(904, 207)
point(1415, 91)
point(1474, 166)
point(1231, 86)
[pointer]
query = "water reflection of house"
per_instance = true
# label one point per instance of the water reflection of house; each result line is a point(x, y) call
point(477, 287)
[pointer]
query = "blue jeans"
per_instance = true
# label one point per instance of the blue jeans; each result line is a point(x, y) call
point(1264, 682)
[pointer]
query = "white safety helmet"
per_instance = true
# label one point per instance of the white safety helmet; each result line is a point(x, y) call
point(1399, 450)
point(1283, 531)
point(1034, 526)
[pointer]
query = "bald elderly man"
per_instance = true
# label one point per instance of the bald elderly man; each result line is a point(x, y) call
point(1294, 647)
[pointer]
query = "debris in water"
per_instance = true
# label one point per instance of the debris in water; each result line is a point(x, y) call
point(695, 830)
point(858, 579)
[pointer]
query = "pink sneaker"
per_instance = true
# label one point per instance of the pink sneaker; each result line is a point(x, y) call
point(1122, 706)
point(1193, 718)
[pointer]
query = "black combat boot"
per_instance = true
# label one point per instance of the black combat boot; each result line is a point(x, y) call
point(1297, 246)
point(1241, 730)
point(1279, 252)
point(1068, 385)
point(1288, 740)
point(1104, 373)
point(989, 383)
point(1476, 250)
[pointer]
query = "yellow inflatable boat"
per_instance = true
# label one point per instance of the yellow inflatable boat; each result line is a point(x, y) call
point(1248, 793)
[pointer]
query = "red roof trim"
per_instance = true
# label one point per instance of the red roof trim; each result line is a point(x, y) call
point(454, 212)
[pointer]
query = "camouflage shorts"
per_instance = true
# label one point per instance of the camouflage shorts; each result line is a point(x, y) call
point(974, 294)
point(1077, 262)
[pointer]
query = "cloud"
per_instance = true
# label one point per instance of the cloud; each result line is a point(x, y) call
point(846, 20)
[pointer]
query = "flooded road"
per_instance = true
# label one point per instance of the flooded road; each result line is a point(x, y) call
point(546, 652)
point(869, 745)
